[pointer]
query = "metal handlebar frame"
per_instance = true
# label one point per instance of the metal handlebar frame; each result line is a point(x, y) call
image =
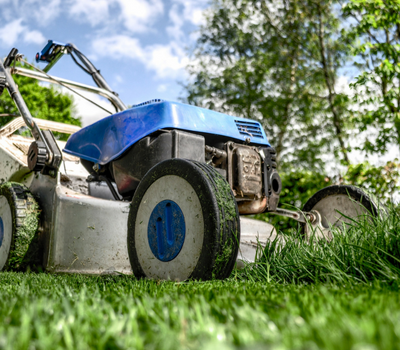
point(52, 79)
point(54, 50)
point(51, 53)
point(12, 88)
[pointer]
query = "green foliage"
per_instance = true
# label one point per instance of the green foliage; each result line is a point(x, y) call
point(376, 25)
point(43, 102)
point(278, 63)
point(382, 181)
point(297, 188)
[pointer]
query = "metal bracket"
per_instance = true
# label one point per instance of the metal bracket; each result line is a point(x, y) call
point(51, 53)
point(54, 163)
point(10, 58)
point(303, 217)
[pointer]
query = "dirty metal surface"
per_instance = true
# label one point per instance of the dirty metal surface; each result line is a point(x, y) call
point(90, 234)
point(249, 177)
point(12, 161)
point(83, 234)
point(244, 171)
point(254, 234)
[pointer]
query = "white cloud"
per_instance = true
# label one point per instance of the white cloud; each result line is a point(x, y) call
point(175, 30)
point(167, 61)
point(138, 15)
point(162, 87)
point(13, 31)
point(134, 15)
point(193, 10)
point(44, 12)
point(93, 11)
point(34, 37)
point(10, 32)
point(185, 11)
point(118, 46)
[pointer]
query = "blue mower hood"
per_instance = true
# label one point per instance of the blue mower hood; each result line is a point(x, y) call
point(107, 139)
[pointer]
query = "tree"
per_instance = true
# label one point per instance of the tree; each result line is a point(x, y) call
point(42, 101)
point(276, 62)
point(377, 25)
point(382, 181)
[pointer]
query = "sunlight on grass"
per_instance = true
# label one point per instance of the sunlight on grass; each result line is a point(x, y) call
point(342, 294)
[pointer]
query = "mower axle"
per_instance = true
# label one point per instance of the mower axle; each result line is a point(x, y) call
point(299, 216)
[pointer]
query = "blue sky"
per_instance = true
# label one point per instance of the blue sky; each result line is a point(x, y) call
point(140, 46)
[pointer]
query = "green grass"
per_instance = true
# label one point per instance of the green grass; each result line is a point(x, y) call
point(363, 251)
point(41, 311)
point(342, 294)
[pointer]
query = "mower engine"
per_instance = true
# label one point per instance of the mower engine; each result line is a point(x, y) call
point(248, 166)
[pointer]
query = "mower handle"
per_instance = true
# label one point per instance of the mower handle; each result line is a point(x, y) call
point(7, 81)
point(54, 50)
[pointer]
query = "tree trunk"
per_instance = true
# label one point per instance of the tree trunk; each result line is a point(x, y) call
point(337, 122)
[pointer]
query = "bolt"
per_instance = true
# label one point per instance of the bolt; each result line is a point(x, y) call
point(90, 178)
point(310, 217)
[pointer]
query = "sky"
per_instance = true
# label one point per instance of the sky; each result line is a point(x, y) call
point(140, 46)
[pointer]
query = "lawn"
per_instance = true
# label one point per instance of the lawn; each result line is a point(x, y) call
point(342, 294)
point(41, 311)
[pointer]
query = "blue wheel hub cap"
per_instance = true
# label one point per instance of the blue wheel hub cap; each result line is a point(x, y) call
point(166, 230)
point(1, 232)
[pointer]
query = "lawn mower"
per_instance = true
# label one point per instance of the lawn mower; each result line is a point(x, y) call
point(160, 190)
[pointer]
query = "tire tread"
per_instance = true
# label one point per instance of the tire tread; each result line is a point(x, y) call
point(24, 250)
point(230, 224)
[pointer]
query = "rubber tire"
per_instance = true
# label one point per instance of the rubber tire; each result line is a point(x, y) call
point(23, 248)
point(221, 221)
point(353, 192)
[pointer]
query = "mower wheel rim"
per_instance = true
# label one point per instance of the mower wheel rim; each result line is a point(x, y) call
point(166, 230)
point(332, 209)
point(176, 189)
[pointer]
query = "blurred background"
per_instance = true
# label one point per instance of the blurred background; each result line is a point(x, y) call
point(322, 76)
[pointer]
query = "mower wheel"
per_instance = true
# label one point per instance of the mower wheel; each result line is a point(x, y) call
point(183, 223)
point(338, 206)
point(18, 227)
